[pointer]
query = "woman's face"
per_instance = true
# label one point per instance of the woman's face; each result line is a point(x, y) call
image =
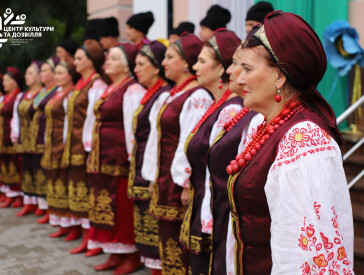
point(145, 71)
point(205, 33)
point(62, 77)
point(9, 84)
point(174, 65)
point(32, 75)
point(234, 71)
point(208, 69)
point(114, 64)
point(82, 62)
point(258, 79)
point(46, 74)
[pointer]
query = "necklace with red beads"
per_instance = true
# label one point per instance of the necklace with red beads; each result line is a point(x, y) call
point(264, 131)
point(112, 88)
point(29, 95)
point(179, 88)
point(213, 107)
point(152, 91)
point(230, 124)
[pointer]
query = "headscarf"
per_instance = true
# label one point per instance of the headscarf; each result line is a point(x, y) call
point(15, 74)
point(299, 50)
point(130, 52)
point(190, 47)
point(224, 43)
point(52, 62)
point(95, 53)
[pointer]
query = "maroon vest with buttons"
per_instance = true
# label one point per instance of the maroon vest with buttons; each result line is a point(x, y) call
point(168, 205)
point(248, 203)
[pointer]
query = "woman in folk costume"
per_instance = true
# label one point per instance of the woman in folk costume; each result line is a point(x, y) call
point(10, 160)
point(73, 190)
point(150, 74)
point(111, 211)
point(288, 194)
point(213, 61)
point(21, 136)
point(65, 76)
point(165, 159)
point(39, 120)
point(223, 149)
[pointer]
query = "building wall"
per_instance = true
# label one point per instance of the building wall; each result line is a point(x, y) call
point(121, 9)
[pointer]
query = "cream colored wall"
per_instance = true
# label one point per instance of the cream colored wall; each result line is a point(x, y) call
point(121, 9)
point(356, 18)
point(180, 11)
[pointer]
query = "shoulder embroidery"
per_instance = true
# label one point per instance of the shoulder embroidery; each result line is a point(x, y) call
point(300, 142)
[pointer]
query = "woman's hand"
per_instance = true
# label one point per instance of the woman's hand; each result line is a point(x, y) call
point(184, 197)
point(150, 188)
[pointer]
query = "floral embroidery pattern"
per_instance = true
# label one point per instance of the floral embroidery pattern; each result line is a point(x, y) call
point(317, 207)
point(206, 226)
point(225, 115)
point(199, 103)
point(302, 141)
point(332, 259)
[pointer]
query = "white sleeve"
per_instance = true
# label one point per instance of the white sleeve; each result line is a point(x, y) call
point(131, 102)
point(150, 160)
point(193, 109)
point(94, 94)
point(65, 125)
point(309, 204)
point(14, 123)
point(225, 115)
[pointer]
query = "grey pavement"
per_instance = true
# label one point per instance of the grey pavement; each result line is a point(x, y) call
point(26, 249)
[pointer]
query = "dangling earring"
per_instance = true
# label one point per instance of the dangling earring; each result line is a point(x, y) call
point(185, 70)
point(278, 98)
point(220, 85)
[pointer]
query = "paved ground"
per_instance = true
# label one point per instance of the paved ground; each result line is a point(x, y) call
point(26, 249)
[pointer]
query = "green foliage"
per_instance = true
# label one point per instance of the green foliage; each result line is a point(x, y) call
point(68, 17)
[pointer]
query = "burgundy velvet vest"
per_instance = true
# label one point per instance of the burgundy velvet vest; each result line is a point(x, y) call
point(166, 204)
point(137, 186)
point(221, 153)
point(197, 149)
point(109, 155)
point(250, 212)
point(6, 114)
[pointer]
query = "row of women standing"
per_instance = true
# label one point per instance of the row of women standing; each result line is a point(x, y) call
point(192, 178)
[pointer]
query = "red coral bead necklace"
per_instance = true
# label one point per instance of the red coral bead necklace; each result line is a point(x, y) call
point(264, 131)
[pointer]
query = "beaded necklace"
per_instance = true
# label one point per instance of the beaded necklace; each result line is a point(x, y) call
point(179, 88)
point(41, 95)
point(29, 96)
point(61, 94)
point(8, 97)
point(152, 91)
point(81, 83)
point(264, 131)
point(213, 107)
point(109, 90)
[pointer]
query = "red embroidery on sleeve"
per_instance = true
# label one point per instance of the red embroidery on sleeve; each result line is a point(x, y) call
point(335, 260)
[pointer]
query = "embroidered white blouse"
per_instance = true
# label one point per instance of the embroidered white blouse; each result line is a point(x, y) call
point(131, 102)
point(193, 109)
point(309, 203)
point(94, 93)
point(225, 115)
point(14, 122)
